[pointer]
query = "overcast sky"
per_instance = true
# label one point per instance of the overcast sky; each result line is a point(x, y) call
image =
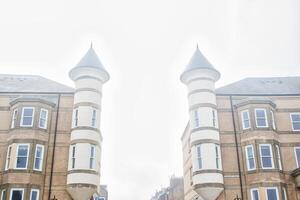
point(144, 45)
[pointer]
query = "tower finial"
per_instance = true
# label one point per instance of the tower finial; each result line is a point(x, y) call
point(197, 46)
point(91, 45)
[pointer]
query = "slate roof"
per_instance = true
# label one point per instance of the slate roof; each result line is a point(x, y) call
point(31, 83)
point(198, 60)
point(262, 86)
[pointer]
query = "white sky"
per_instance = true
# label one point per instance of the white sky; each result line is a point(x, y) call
point(145, 44)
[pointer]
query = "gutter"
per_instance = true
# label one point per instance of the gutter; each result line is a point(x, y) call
point(236, 147)
point(53, 148)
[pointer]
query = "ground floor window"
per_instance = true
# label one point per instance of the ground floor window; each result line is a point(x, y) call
point(16, 194)
point(272, 193)
point(34, 194)
point(254, 194)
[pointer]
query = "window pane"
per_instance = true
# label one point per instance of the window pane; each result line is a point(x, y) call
point(295, 117)
point(255, 195)
point(21, 162)
point(267, 162)
point(246, 124)
point(251, 163)
point(34, 195)
point(272, 195)
point(298, 156)
point(261, 122)
point(296, 126)
point(28, 112)
point(22, 150)
point(260, 113)
point(245, 115)
point(17, 195)
point(39, 151)
point(250, 152)
point(37, 163)
point(265, 151)
point(27, 121)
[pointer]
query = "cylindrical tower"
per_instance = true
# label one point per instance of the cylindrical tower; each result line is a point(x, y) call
point(83, 178)
point(200, 77)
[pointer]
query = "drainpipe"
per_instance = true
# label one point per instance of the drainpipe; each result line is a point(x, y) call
point(54, 145)
point(236, 147)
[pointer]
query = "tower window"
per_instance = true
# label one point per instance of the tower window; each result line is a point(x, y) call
point(75, 119)
point(14, 118)
point(199, 156)
point(214, 118)
point(250, 157)
point(94, 116)
point(218, 158)
point(22, 156)
point(43, 118)
point(261, 118)
point(266, 156)
point(92, 157)
point(27, 116)
point(196, 117)
point(73, 149)
point(246, 120)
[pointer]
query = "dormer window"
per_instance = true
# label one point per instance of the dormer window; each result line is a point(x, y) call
point(27, 117)
point(261, 118)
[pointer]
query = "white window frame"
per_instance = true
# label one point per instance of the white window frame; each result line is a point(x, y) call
point(266, 118)
point(247, 157)
point(25, 144)
point(297, 161)
point(196, 118)
point(16, 189)
point(22, 116)
point(272, 188)
point(273, 120)
point(14, 118)
point(37, 191)
point(94, 118)
point(2, 191)
point(243, 119)
point(251, 192)
point(278, 156)
point(261, 157)
point(8, 157)
point(41, 158)
point(46, 119)
point(292, 122)
point(92, 164)
point(199, 157)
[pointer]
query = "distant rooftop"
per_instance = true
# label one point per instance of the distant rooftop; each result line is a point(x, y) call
point(31, 83)
point(262, 86)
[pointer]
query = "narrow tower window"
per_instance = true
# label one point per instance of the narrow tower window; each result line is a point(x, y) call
point(199, 156)
point(92, 157)
point(196, 117)
point(14, 118)
point(214, 119)
point(75, 118)
point(246, 119)
point(73, 147)
point(94, 115)
point(250, 157)
point(218, 159)
point(43, 118)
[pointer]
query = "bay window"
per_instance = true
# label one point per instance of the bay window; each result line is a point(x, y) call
point(14, 118)
point(16, 194)
point(43, 118)
point(38, 157)
point(34, 194)
point(272, 193)
point(295, 118)
point(250, 157)
point(266, 156)
point(27, 116)
point(246, 120)
point(22, 156)
point(261, 118)
point(254, 194)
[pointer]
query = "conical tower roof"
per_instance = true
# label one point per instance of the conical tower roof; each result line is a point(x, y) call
point(198, 61)
point(90, 59)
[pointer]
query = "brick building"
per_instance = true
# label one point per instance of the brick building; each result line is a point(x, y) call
point(173, 192)
point(242, 139)
point(50, 136)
